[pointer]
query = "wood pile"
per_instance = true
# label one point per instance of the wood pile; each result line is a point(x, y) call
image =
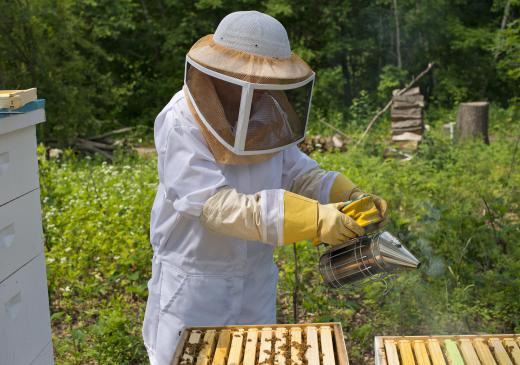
point(323, 144)
point(407, 119)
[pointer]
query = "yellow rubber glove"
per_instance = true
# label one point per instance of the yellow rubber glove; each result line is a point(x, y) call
point(335, 227)
point(343, 189)
point(380, 203)
point(364, 212)
point(306, 219)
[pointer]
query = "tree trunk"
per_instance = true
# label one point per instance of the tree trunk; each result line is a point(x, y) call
point(472, 121)
point(397, 36)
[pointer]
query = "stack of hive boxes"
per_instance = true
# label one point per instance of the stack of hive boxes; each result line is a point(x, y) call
point(407, 118)
point(25, 336)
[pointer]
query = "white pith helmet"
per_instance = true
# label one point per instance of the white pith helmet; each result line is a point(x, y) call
point(251, 46)
point(254, 32)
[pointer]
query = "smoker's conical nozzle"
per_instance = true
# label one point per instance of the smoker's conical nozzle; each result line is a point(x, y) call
point(392, 252)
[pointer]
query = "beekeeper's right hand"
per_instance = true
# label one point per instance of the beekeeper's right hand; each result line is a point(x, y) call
point(335, 227)
point(241, 215)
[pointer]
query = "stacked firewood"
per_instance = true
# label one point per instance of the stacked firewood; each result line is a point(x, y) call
point(407, 118)
point(323, 144)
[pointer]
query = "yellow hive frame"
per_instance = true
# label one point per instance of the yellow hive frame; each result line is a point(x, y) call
point(501, 349)
point(253, 345)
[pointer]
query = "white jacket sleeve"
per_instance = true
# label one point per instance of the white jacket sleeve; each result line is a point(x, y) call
point(190, 178)
point(189, 174)
point(303, 176)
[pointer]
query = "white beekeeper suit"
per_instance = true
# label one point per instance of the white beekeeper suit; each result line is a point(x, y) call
point(233, 184)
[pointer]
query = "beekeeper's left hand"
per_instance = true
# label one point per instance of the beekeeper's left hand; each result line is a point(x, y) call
point(380, 203)
point(343, 189)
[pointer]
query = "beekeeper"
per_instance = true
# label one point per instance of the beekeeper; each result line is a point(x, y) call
point(233, 183)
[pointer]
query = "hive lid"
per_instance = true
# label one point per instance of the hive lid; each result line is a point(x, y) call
point(29, 107)
point(30, 114)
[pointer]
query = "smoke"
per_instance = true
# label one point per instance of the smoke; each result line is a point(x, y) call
point(434, 265)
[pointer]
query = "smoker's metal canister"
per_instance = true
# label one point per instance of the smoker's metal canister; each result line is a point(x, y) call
point(364, 257)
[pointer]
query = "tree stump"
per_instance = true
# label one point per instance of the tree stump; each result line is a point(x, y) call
point(472, 121)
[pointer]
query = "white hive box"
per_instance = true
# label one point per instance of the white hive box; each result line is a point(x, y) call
point(25, 336)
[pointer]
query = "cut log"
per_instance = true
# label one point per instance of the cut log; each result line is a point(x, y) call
point(412, 91)
point(400, 114)
point(408, 98)
point(407, 123)
point(407, 136)
point(472, 121)
point(407, 104)
point(397, 131)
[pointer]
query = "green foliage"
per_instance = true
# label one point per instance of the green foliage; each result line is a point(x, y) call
point(455, 207)
point(507, 52)
point(391, 78)
point(361, 110)
point(98, 255)
point(102, 64)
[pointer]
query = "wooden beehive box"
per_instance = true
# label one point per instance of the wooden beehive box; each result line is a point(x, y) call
point(14, 99)
point(298, 344)
point(448, 350)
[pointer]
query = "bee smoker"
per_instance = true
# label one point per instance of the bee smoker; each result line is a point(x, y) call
point(371, 256)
